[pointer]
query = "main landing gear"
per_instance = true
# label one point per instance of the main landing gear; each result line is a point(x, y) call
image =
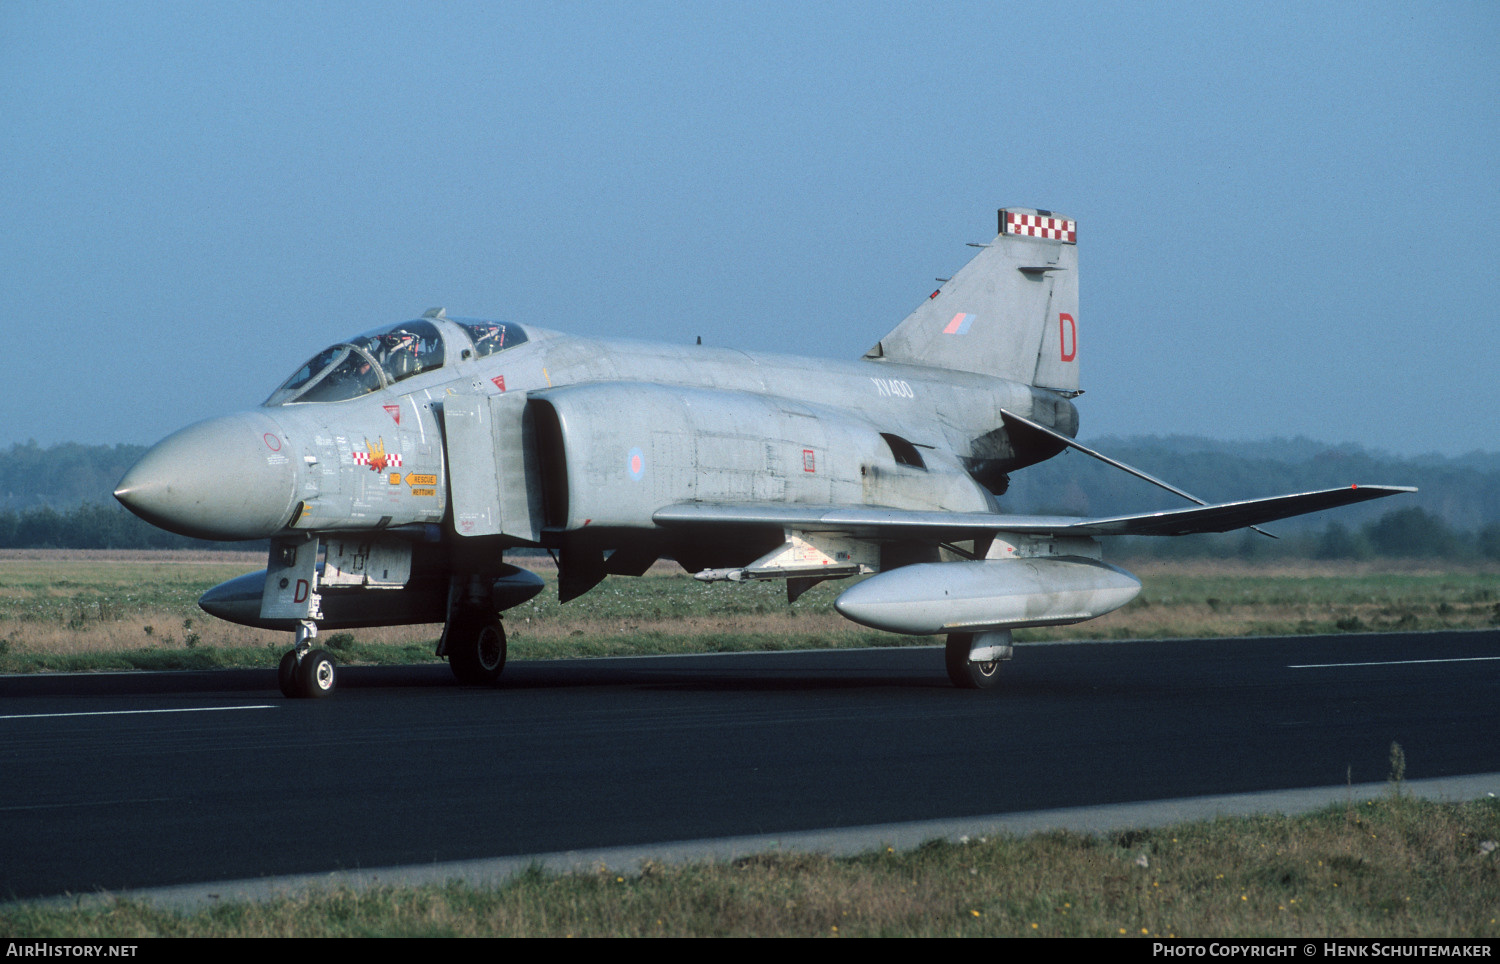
point(974, 659)
point(304, 671)
point(475, 643)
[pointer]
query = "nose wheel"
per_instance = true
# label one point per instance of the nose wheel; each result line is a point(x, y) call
point(304, 672)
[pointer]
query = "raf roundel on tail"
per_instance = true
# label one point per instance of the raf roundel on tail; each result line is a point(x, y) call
point(410, 458)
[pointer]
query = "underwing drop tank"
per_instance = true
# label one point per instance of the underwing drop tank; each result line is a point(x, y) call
point(989, 594)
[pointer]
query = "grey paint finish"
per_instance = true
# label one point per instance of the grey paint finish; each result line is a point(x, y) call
point(473, 481)
point(633, 448)
point(446, 441)
point(1029, 285)
point(224, 478)
point(895, 523)
point(988, 594)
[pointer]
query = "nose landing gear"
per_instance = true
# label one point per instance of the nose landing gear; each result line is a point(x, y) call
point(304, 671)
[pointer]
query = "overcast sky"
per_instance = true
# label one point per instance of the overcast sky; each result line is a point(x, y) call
point(1287, 212)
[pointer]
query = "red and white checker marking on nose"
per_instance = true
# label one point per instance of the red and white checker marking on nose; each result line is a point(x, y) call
point(391, 458)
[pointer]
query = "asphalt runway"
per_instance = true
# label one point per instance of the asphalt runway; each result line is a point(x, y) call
point(128, 781)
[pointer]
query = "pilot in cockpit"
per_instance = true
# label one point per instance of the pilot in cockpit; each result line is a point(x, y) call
point(397, 354)
point(488, 339)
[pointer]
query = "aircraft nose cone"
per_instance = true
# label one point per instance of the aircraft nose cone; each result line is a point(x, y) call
point(226, 478)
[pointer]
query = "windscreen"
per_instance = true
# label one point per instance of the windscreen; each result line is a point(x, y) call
point(368, 363)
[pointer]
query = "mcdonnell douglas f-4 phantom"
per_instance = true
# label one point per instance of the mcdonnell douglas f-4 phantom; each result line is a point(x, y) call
point(413, 456)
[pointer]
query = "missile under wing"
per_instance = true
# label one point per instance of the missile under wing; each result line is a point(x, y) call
point(393, 471)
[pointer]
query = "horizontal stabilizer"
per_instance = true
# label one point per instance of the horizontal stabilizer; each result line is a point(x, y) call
point(875, 522)
point(1018, 426)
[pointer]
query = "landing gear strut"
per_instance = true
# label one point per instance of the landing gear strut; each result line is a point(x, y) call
point(476, 647)
point(304, 671)
point(291, 592)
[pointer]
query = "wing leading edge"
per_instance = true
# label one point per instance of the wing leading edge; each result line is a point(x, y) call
point(878, 522)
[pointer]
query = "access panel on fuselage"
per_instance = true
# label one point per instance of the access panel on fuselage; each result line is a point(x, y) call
point(491, 474)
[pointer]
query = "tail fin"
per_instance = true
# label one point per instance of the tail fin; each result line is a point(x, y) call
point(1011, 312)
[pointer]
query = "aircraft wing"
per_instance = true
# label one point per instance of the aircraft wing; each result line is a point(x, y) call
point(878, 522)
point(1233, 515)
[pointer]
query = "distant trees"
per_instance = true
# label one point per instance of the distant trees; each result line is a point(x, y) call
point(90, 526)
point(1337, 542)
point(58, 497)
point(62, 475)
point(1414, 532)
point(1487, 541)
point(1464, 491)
point(1409, 533)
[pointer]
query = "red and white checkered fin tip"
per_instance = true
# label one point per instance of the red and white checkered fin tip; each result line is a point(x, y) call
point(1039, 225)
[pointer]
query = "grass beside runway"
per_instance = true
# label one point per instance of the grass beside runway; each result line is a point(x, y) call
point(1388, 867)
point(62, 611)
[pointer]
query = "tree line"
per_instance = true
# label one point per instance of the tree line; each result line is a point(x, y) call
point(1408, 533)
point(92, 526)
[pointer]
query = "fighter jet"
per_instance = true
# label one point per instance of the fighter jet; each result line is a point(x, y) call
point(393, 471)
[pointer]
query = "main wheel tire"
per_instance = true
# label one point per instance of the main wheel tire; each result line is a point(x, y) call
point(316, 674)
point(476, 649)
point(964, 673)
point(286, 676)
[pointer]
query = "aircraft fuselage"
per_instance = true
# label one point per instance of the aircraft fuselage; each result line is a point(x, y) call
point(378, 461)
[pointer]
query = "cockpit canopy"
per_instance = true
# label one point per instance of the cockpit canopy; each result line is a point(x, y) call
point(490, 336)
point(381, 358)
